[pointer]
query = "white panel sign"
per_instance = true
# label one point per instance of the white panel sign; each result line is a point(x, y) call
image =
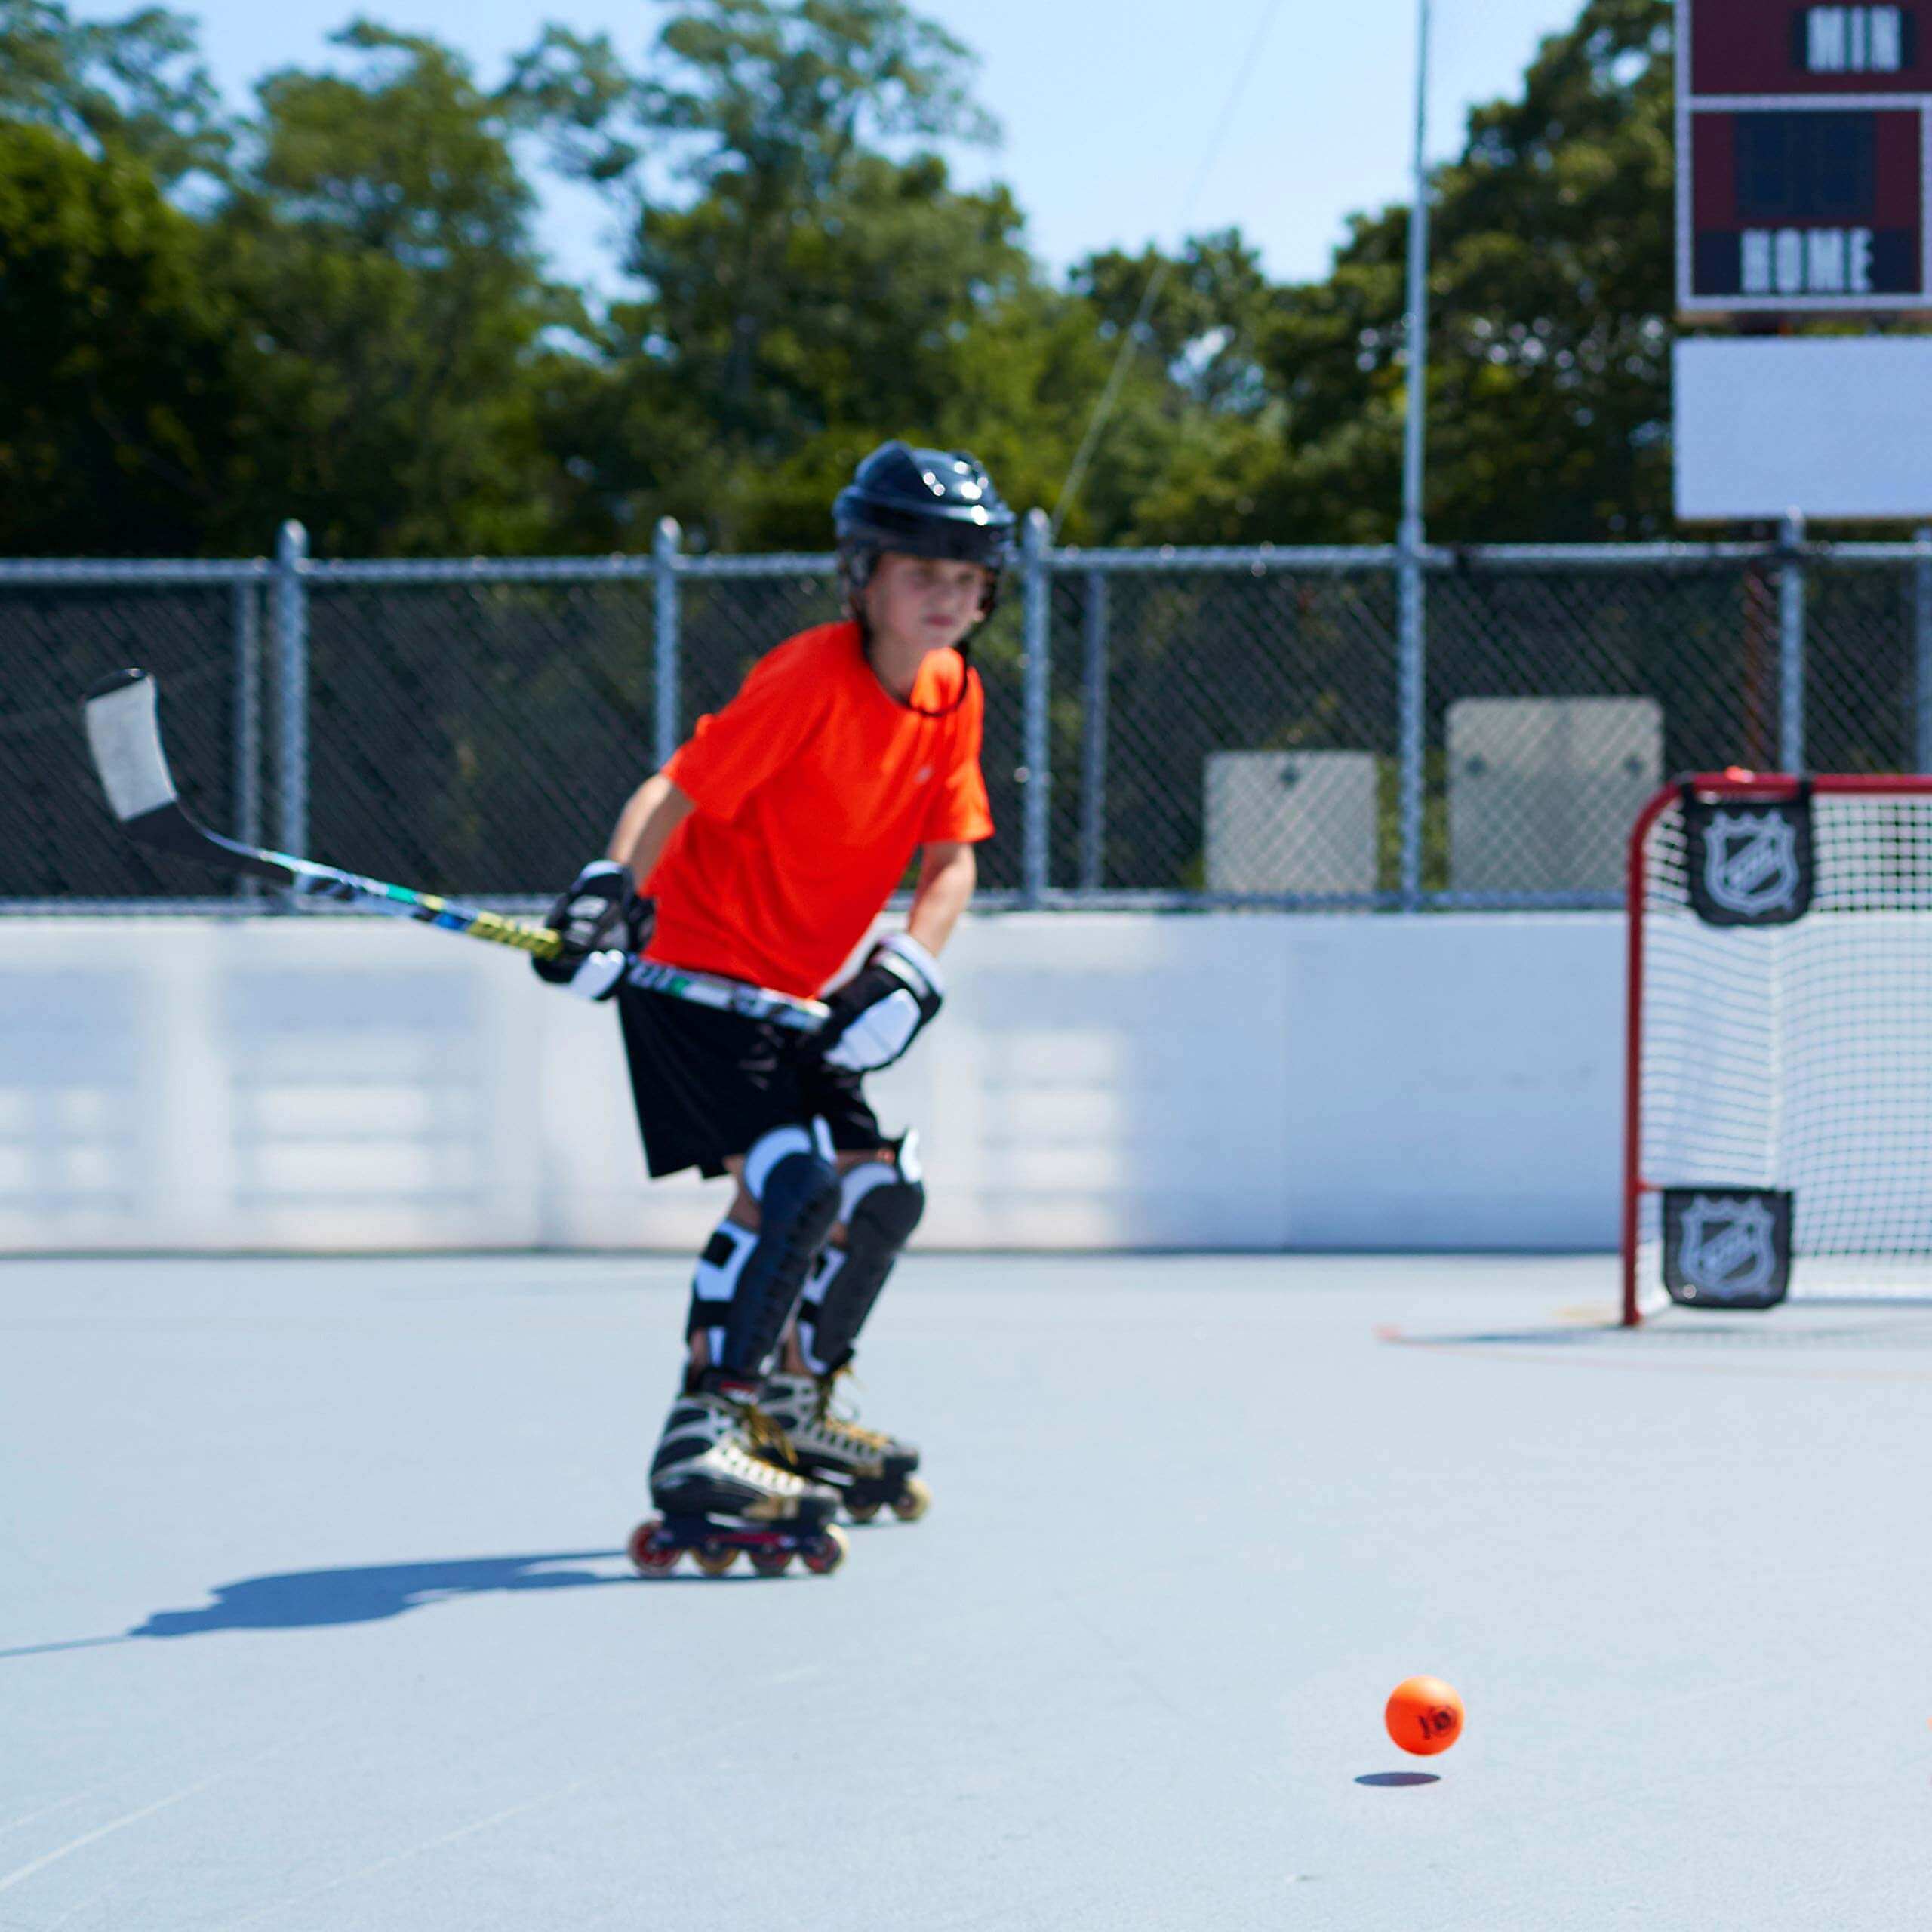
point(1834, 429)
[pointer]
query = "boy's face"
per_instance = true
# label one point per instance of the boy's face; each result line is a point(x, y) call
point(925, 601)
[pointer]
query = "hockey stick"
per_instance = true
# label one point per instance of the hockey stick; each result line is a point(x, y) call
point(124, 732)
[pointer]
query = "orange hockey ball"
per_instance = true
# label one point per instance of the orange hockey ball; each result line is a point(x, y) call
point(1424, 1716)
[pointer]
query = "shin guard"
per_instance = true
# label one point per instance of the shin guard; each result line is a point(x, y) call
point(880, 1205)
point(747, 1284)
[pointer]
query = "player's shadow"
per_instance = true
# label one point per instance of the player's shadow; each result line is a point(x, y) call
point(312, 1599)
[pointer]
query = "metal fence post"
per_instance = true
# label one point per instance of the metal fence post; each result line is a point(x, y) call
point(1411, 675)
point(1790, 643)
point(247, 621)
point(291, 637)
point(1094, 742)
point(668, 647)
point(1921, 628)
point(1035, 539)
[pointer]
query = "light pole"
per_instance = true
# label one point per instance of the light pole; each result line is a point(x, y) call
point(1409, 533)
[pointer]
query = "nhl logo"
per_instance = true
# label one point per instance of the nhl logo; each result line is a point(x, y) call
point(1751, 862)
point(1750, 865)
point(1726, 1248)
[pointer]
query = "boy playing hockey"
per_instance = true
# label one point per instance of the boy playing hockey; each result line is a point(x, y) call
point(765, 850)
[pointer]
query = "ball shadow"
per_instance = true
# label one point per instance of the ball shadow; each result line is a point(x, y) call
point(1386, 1780)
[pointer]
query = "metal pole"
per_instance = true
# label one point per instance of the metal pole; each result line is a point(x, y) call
point(1094, 761)
point(247, 624)
point(1922, 625)
point(669, 650)
point(292, 636)
point(1791, 644)
point(1412, 664)
point(1034, 775)
point(1411, 676)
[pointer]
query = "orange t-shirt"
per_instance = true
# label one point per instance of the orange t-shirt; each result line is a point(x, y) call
point(812, 789)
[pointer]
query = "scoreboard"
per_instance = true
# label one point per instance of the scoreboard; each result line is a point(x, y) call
point(1804, 138)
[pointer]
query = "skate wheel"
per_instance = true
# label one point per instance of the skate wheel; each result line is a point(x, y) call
point(714, 1558)
point(823, 1553)
point(651, 1557)
point(771, 1562)
point(861, 1512)
point(912, 1502)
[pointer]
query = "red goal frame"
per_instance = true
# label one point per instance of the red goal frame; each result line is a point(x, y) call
point(1763, 787)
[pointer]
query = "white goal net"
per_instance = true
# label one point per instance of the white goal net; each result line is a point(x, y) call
point(1779, 1136)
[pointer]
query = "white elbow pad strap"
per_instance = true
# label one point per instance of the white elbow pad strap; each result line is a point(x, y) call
point(903, 955)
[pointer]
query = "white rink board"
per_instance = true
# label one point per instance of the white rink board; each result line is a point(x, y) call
point(1097, 1080)
point(1831, 427)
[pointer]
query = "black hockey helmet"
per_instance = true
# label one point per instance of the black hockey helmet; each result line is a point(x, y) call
point(924, 503)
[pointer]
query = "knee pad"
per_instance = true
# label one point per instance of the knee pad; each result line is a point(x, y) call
point(748, 1284)
point(880, 1204)
point(774, 1157)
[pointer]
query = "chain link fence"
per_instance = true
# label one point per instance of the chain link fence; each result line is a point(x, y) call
point(1182, 728)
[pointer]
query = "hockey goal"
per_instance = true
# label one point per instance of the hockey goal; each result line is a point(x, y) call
point(1778, 1118)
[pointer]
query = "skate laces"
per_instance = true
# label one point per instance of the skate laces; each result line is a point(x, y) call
point(766, 1439)
point(750, 1435)
point(844, 1420)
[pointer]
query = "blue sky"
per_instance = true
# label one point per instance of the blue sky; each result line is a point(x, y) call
point(1108, 106)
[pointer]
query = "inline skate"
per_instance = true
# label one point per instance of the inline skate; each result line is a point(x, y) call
point(721, 1484)
point(869, 1470)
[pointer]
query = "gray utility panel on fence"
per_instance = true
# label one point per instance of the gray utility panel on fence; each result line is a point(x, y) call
point(1291, 821)
point(1543, 791)
point(1164, 727)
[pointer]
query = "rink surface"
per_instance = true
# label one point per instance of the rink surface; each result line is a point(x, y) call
point(315, 1617)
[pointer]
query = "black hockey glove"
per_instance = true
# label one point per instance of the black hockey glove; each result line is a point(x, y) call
point(602, 923)
point(879, 1011)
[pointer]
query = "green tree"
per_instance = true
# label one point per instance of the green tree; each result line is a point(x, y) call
point(133, 86)
point(1551, 301)
point(378, 237)
point(1205, 308)
point(811, 276)
point(122, 412)
point(1195, 426)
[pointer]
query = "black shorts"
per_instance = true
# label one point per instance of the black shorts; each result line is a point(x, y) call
point(709, 1084)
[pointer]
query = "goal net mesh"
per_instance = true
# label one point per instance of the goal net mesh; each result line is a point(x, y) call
point(1792, 1057)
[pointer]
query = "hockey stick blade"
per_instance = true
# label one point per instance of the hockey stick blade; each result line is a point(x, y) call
point(123, 733)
